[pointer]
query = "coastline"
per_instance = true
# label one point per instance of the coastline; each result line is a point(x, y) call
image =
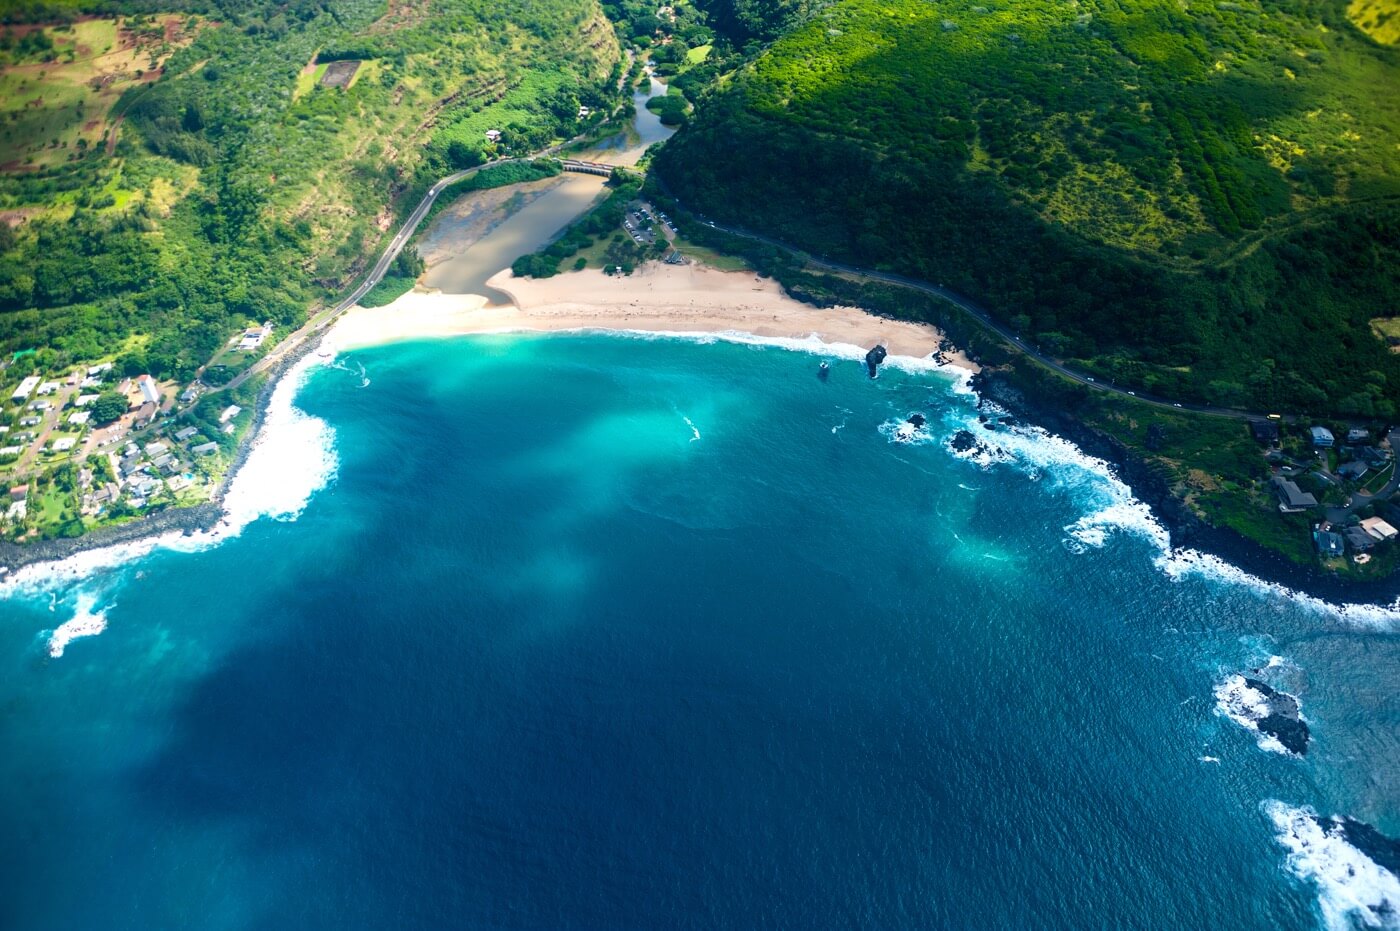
point(186, 521)
point(694, 301)
point(1186, 529)
point(658, 298)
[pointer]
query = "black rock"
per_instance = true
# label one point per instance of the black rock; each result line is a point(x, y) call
point(963, 441)
point(1385, 851)
point(874, 357)
point(1282, 722)
point(917, 420)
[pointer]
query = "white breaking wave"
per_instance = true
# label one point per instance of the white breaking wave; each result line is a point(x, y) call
point(292, 457)
point(1114, 507)
point(1351, 886)
point(85, 622)
point(695, 431)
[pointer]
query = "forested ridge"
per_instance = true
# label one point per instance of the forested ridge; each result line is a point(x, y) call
point(1202, 201)
point(240, 188)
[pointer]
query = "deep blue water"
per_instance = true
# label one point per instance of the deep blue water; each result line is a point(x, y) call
point(609, 632)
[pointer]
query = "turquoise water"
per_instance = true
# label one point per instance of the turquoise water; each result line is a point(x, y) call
point(613, 632)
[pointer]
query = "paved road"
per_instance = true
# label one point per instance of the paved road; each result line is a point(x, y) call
point(986, 319)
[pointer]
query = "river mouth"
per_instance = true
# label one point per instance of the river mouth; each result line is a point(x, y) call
point(483, 232)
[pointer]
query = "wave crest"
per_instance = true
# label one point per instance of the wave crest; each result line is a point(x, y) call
point(1351, 886)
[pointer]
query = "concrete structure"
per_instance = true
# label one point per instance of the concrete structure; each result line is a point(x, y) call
point(1291, 498)
point(1379, 529)
point(1322, 438)
point(25, 389)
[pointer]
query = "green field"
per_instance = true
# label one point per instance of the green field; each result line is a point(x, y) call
point(1203, 200)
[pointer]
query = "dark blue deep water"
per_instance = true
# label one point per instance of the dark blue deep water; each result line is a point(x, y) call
point(622, 633)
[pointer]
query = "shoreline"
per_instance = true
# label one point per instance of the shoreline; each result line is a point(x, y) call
point(1186, 529)
point(736, 305)
point(661, 299)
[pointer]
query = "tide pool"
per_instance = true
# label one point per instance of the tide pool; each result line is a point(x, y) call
point(588, 631)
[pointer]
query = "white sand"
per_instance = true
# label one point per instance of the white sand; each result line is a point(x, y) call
point(656, 298)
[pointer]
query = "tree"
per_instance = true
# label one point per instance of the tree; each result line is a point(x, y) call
point(108, 407)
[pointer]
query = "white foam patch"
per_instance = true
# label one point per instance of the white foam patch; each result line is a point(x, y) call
point(1351, 886)
point(85, 622)
point(1237, 700)
point(292, 457)
point(902, 431)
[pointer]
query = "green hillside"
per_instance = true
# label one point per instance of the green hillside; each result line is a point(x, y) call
point(1202, 199)
point(263, 150)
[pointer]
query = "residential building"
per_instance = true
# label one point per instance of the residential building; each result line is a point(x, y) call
point(49, 387)
point(1358, 435)
point(1265, 431)
point(19, 492)
point(205, 449)
point(230, 412)
point(155, 448)
point(1291, 498)
point(1329, 543)
point(78, 418)
point(493, 135)
point(1322, 438)
point(1353, 470)
point(83, 400)
point(1359, 540)
point(25, 389)
point(63, 444)
point(186, 433)
point(97, 371)
point(150, 391)
point(1379, 529)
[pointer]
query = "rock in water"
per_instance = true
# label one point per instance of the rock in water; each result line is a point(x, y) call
point(874, 357)
point(1283, 721)
point(917, 420)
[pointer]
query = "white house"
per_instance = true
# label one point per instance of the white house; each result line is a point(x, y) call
point(493, 135)
point(97, 371)
point(63, 444)
point(150, 391)
point(78, 418)
point(1379, 528)
point(253, 338)
point(83, 400)
point(230, 412)
point(25, 389)
point(49, 387)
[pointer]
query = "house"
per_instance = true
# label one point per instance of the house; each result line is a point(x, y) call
point(30, 421)
point(19, 492)
point(1291, 498)
point(49, 387)
point(186, 433)
point(155, 448)
point(1322, 438)
point(254, 338)
point(78, 418)
point(205, 449)
point(189, 395)
point(11, 450)
point(1329, 543)
point(97, 371)
point(1359, 540)
point(163, 461)
point(25, 389)
point(1358, 435)
point(150, 391)
point(147, 487)
point(1373, 455)
point(63, 444)
point(493, 135)
point(178, 483)
point(130, 463)
point(583, 113)
point(83, 400)
point(40, 405)
point(1265, 431)
point(1353, 470)
point(1379, 529)
point(146, 413)
point(90, 383)
point(230, 412)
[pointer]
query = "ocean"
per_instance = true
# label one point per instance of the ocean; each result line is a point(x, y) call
point(593, 631)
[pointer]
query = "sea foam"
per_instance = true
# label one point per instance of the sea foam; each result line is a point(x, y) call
point(85, 622)
point(292, 457)
point(1351, 886)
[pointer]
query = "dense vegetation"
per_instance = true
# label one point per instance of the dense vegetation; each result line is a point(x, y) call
point(242, 190)
point(1202, 202)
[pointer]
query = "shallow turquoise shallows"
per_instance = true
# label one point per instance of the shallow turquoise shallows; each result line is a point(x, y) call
point(612, 632)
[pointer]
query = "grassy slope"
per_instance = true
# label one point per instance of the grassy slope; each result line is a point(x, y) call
point(236, 197)
point(1186, 192)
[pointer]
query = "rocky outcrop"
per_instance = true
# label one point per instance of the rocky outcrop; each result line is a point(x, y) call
point(873, 358)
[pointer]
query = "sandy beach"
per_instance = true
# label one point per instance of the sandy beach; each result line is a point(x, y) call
point(656, 298)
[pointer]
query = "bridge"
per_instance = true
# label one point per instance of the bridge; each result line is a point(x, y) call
point(588, 168)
